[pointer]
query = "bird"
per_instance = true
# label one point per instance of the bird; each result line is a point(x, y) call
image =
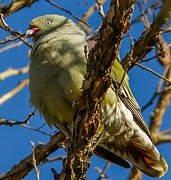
point(56, 73)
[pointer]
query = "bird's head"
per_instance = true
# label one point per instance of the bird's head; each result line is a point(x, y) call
point(45, 24)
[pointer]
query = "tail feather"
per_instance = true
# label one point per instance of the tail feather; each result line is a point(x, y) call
point(148, 161)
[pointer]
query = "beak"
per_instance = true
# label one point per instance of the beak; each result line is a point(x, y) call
point(30, 32)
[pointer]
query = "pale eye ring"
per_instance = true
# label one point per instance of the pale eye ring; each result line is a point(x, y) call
point(47, 22)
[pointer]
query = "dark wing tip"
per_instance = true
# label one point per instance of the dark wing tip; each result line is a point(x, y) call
point(107, 155)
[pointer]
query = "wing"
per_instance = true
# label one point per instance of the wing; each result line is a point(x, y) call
point(109, 156)
point(127, 97)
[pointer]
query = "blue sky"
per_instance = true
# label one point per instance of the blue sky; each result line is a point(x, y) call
point(15, 141)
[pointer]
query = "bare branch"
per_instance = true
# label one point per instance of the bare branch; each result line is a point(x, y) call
point(154, 5)
point(57, 158)
point(150, 70)
point(150, 102)
point(17, 34)
point(78, 19)
point(166, 131)
point(101, 12)
point(150, 36)
point(90, 11)
point(163, 102)
point(22, 123)
point(101, 58)
point(163, 51)
point(146, 23)
point(14, 91)
point(161, 138)
point(149, 59)
point(11, 72)
point(11, 46)
point(12, 123)
point(21, 169)
point(141, 48)
point(156, 120)
point(34, 161)
point(135, 174)
point(8, 39)
point(16, 6)
point(102, 173)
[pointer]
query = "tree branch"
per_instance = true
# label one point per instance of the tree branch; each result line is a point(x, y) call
point(101, 58)
point(140, 50)
point(90, 11)
point(14, 91)
point(11, 46)
point(16, 6)
point(11, 72)
point(149, 37)
point(65, 10)
point(41, 152)
point(163, 102)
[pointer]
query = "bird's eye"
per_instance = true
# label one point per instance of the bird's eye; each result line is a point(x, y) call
point(47, 22)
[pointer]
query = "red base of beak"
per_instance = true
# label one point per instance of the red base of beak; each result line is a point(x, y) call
point(31, 31)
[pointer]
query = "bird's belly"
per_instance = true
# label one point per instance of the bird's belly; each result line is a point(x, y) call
point(50, 99)
point(58, 106)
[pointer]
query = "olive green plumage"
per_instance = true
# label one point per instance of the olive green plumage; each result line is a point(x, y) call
point(57, 70)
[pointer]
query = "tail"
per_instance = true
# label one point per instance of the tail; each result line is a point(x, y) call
point(149, 161)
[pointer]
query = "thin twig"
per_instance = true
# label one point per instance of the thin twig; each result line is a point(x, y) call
point(15, 6)
point(150, 70)
point(11, 46)
point(20, 170)
point(166, 131)
point(162, 138)
point(102, 173)
point(30, 116)
point(150, 102)
point(101, 12)
point(17, 34)
point(92, 34)
point(57, 158)
point(90, 11)
point(14, 91)
point(163, 102)
point(22, 123)
point(8, 39)
point(67, 11)
point(34, 161)
point(146, 23)
point(157, 91)
point(2, 20)
point(29, 127)
point(42, 125)
point(11, 72)
point(12, 123)
point(139, 18)
point(149, 37)
point(149, 59)
point(161, 80)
